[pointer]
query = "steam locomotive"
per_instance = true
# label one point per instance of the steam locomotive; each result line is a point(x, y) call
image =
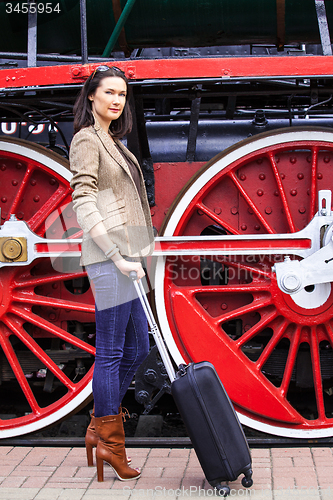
point(233, 129)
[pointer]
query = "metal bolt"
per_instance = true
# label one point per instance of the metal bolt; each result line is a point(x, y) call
point(268, 210)
point(242, 177)
point(319, 176)
point(257, 227)
point(293, 192)
point(327, 159)
point(300, 176)
point(260, 192)
point(217, 210)
point(243, 227)
point(36, 199)
point(224, 306)
point(302, 210)
point(262, 177)
point(14, 182)
point(293, 159)
point(234, 210)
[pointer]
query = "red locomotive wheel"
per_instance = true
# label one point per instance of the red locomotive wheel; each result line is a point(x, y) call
point(46, 306)
point(273, 351)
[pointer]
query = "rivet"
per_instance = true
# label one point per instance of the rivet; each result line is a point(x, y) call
point(36, 198)
point(250, 211)
point(319, 176)
point(277, 159)
point(234, 210)
point(54, 286)
point(243, 227)
point(260, 192)
point(4, 199)
point(276, 192)
point(20, 215)
point(224, 306)
point(217, 210)
point(52, 316)
point(3, 167)
point(260, 160)
point(293, 192)
point(326, 159)
point(293, 159)
point(268, 210)
point(262, 177)
point(300, 176)
point(309, 159)
point(283, 176)
point(19, 165)
point(257, 227)
point(200, 212)
point(33, 182)
point(14, 182)
point(52, 181)
point(242, 177)
point(302, 210)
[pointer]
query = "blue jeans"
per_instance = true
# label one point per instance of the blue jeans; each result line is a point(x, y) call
point(122, 341)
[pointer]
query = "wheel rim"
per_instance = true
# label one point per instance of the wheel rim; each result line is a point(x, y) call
point(229, 310)
point(46, 307)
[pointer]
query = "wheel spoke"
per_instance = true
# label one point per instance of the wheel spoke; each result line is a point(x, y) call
point(50, 206)
point(251, 204)
point(291, 360)
point(20, 191)
point(49, 327)
point(316, 372)
point(32, 298)
point(39, 353)
point(273, 342)
point(18, 372)
point(200, 206)
point(257, 328)
point(282, 193)
point(47, 279)
point(257, 304)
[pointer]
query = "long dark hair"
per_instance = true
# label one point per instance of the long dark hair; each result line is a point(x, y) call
point(83, 116)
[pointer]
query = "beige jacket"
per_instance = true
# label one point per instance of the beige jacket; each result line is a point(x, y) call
point(104, 190)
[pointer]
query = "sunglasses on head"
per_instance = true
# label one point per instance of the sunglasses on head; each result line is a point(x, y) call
point(106, 68)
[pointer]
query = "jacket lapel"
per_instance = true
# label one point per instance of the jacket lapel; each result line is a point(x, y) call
point(109, 145)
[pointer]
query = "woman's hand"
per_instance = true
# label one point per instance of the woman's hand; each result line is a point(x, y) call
point(126, 267)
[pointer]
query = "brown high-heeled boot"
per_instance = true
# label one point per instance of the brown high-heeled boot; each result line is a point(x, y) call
point(91, 438)
point(111, 448)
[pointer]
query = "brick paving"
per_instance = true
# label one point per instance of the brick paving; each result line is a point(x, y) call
point(38, 473)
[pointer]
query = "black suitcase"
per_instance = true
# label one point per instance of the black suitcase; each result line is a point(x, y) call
point(210, 419)
point(212, 424)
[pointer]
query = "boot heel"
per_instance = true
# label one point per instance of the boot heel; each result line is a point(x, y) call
point(100, 472)
point(89, 451)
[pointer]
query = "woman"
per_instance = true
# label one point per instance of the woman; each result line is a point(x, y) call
point(112, 209)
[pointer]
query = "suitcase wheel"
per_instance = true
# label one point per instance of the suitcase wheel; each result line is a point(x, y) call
point(247, 481)
point(222, 490)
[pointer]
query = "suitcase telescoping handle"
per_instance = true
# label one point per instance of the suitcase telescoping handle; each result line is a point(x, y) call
point(153, 326)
